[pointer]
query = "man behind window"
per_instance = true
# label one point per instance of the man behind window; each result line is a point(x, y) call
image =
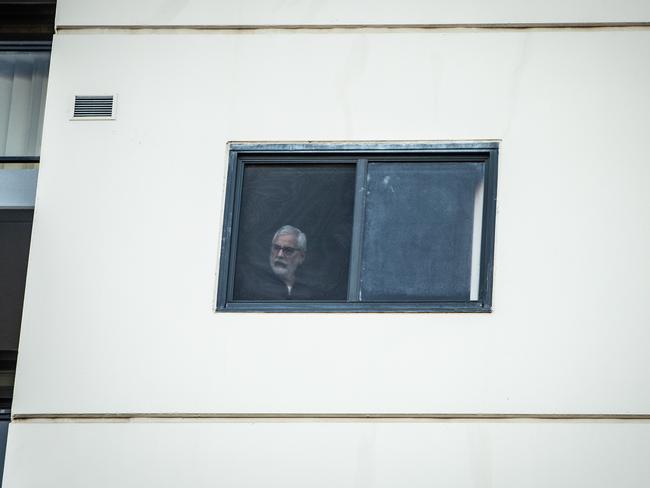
point(278, 276)
point(288, 250)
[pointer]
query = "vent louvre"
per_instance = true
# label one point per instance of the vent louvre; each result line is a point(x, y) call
point(93, 106)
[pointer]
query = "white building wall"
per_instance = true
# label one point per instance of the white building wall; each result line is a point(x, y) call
point(119, 313)
point(322, 455)
point(346, 12)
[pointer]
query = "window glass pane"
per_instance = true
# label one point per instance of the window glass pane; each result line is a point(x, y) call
point(4, 431)
point(17, 187)
point(318, 200)
point(23, 81)
point(422, 221)
point(15, 235)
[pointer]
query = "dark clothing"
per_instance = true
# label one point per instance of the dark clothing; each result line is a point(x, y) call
point(265, 285)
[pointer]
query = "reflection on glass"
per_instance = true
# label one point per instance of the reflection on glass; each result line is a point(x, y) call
point(422, 232)
point(23, 81)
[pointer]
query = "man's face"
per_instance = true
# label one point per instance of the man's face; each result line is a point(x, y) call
point(285, 255)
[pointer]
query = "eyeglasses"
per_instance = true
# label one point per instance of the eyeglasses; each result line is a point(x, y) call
point(287, 251)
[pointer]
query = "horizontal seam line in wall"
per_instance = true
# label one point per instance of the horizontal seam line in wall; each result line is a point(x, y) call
point(107, 417)
point(524, 25)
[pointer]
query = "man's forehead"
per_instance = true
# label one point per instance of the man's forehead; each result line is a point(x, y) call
point(286, 238)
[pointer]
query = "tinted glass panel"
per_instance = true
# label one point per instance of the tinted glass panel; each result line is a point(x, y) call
point(15, 234)
point(421, 229)
point(23, 81)
point(4, 431)
point(316, 199)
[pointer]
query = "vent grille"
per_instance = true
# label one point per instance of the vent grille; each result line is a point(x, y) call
point(93, 106)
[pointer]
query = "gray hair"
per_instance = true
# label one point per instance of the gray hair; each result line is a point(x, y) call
point(290, 229)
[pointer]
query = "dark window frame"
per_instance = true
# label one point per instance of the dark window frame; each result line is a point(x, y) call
point(241, 154)
point(26, 46)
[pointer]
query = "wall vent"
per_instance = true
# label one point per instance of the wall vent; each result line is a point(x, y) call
point(94, 107)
